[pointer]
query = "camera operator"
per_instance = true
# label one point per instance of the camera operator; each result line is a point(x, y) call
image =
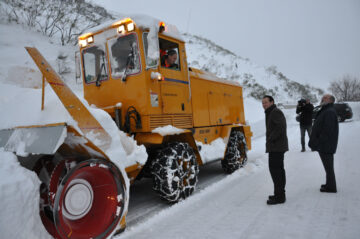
point(305, 109)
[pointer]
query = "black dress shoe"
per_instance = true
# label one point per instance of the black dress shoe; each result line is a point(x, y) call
point(327, 190)
point(323, 186)
point(276, 200)
point(271, 196)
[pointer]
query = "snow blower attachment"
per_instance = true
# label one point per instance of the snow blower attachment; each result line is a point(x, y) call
point(174, 111)
point(82, 194)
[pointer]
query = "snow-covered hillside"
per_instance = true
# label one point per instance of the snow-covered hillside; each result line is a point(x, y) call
point(256, 80)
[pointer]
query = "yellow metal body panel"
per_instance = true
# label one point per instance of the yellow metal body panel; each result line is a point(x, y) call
point(248, 134)
point(226, 130)
point(133, 171)
point(175, 86)
point(216, 102)
point(183, 121)
point(149, 138)
point(206, 135)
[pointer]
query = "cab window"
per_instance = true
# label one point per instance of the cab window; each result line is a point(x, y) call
point(94, 61)
point(169, 54)
point(124, 56)
point(150, 62)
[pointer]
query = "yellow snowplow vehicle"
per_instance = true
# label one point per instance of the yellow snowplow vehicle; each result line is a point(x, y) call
point(136, 70)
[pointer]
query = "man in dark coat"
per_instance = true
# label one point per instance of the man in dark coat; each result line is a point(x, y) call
point(305, 109)
point(324, 139)
point(276, 146)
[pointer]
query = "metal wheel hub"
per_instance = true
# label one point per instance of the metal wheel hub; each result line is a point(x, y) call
point(78, 199)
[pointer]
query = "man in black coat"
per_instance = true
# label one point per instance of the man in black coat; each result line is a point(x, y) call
point(324, 139)
point(276, 146)
point(305, 109)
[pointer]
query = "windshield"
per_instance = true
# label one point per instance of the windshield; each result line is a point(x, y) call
point(124, 56)
point(94, 61)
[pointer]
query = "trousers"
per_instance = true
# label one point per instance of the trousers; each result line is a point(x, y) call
point(328, 162)
point(304, 128)
point(277, 172)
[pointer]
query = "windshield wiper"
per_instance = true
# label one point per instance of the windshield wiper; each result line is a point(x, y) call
point(99, 76)
point(129, 62)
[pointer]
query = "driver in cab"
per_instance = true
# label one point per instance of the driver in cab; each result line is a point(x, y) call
point(169, 60)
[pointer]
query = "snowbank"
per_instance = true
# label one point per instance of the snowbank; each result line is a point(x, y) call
point(213, 151)
point(355, 106)
point(167, 130)
point(19, 203)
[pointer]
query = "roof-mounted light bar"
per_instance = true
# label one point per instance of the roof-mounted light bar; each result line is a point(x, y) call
point(86, 39)
point(124, 26)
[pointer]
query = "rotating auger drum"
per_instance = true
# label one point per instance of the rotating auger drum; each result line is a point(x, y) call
point(89, 200)
point(83, 199)
point(82, 193)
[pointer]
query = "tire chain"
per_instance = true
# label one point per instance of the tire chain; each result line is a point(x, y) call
point(175, 171)
point(233, 154)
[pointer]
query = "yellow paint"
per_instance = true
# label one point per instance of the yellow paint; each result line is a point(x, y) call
point(43, 93)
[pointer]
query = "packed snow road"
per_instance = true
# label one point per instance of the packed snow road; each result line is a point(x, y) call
point(234, 206)
point(145, 203)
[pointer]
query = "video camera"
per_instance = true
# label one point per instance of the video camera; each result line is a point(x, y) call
point(301, 102)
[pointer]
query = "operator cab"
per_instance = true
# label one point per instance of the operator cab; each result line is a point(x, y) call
point(141, 66)
point(116, 53)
